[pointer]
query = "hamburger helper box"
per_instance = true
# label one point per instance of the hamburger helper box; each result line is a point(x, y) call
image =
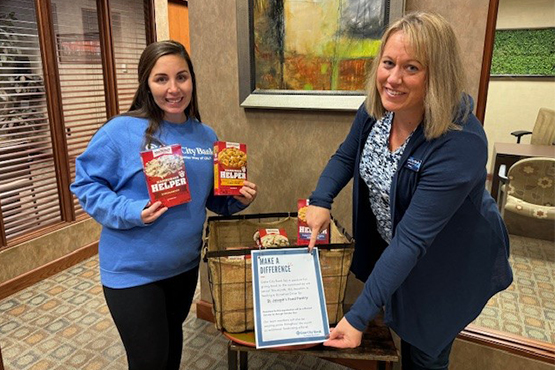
point(165, 174)
point(304, 232)
point(271, 238)
point(230, 167)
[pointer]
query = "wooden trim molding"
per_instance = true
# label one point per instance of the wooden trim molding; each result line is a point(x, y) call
point(34, 276)
point(486, 60)
point(3, 240)
point(150, 21)
point(38, 233)
point(51, 77)
point(515, 344)
point(204, 311)
point(108, 58)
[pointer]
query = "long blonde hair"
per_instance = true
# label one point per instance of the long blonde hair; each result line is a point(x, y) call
point(435, 46)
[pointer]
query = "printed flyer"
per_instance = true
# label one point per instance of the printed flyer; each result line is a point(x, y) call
point(289, 302)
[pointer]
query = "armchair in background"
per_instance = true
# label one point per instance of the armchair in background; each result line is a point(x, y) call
point(544, 129)
point(528, 202)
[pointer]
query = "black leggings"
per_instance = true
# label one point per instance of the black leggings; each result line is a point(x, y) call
point(413, 358)
point(149, 319)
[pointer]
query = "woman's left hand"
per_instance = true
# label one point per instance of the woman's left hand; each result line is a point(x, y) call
point(344, 335)
point(248, 193)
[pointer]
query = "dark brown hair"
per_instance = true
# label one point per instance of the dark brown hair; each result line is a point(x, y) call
point(143, 105)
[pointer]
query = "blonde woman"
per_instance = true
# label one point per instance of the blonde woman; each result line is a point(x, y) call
point(430, 243)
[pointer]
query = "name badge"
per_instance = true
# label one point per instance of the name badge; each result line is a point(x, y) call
point(413, 164)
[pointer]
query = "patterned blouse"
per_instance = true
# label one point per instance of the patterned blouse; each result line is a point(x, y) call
point(377, 167)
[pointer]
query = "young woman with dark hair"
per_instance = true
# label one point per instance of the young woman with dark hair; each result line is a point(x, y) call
point(149, 254)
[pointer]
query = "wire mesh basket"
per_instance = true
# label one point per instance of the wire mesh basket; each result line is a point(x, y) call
point(227, 246)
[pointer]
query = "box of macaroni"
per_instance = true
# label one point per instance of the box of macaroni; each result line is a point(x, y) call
point(303, 231)
point(271, 238)
point(165, 174)
point(230, 167)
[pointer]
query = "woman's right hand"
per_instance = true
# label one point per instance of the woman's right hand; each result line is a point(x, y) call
point(318, 219)
point(152, 212)
point(344, 335)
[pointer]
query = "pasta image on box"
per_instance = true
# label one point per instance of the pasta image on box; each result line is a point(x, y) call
point(271, 238)
point(165, 174)
point(304, 232)
point(230, 167)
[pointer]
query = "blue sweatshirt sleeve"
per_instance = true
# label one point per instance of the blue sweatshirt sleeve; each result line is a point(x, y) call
point(339, 170)
point(447, 178)
point(97, 173)
point(224, 205)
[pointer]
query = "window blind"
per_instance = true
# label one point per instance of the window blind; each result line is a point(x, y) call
point(35, 168)
point(28, 188)
point(81, 76)
point(128, 15)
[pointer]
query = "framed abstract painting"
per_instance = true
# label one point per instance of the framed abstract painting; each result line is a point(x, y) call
point(309, 54)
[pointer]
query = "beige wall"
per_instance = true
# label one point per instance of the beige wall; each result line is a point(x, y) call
point(526, 14)
point(513, 105)
point(468, 19)
point(20, 259)
point(161, 14)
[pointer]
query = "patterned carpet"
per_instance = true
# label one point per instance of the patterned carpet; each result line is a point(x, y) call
point(527, 307)
point(62, 323)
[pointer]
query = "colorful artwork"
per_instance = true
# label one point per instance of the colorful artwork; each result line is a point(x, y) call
point(316, 44)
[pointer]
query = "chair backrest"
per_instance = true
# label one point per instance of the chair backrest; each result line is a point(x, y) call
point(533, 180)
point(544, 128)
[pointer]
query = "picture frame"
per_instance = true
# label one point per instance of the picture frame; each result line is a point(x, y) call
point(524, 53)
point(258, 98)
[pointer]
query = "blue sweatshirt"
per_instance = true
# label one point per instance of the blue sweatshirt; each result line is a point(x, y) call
point(449, 249)
point(111, 187)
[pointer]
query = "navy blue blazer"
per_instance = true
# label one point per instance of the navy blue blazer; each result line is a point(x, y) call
point(449, 249)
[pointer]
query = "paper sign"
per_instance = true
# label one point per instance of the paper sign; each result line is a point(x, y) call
point(289, 302)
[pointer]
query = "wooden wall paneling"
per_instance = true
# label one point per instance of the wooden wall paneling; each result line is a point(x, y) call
point(108, 59)
point(55, 112)
point(40, 273)
point(486, 60)
point(178, 19)
point(150, 21)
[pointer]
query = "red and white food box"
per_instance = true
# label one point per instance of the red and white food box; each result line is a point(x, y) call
point(165, 174)
point(304, 232)
point(271, 238)
point(230, 167)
